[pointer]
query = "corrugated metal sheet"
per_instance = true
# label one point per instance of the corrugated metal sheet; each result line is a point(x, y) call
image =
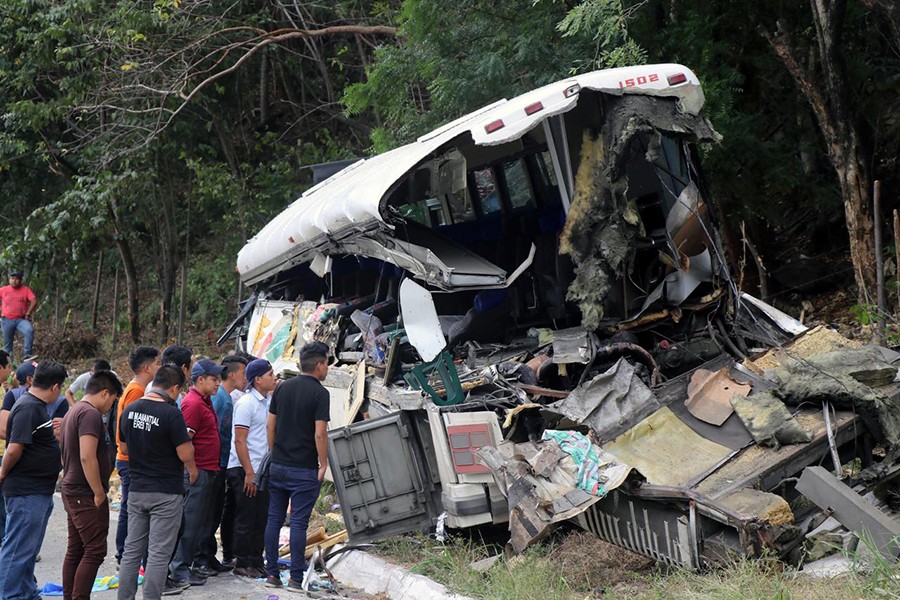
point(351, 199)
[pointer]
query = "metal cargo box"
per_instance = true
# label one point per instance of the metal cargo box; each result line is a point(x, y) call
point(382, 478)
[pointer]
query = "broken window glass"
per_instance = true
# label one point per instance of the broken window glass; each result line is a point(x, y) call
point(520, 193)
point(544, 177)
point(671, 167)
point(486, 186)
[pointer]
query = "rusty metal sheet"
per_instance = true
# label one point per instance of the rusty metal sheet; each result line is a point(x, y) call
point(709, 395)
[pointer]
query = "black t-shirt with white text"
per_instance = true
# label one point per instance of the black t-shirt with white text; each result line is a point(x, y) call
point(38, 468)
point(152, 431)
point(297, 404)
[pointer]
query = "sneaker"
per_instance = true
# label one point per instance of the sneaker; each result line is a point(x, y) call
point(246, 572)
point(204, 571)
point(220, 567)
point(193, 580)
point(172, 588)
point(228, 563)
point(274, 581)
point(181, 584)
point(295, 586)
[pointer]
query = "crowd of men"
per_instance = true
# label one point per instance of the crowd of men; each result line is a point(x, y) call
point(199, 447)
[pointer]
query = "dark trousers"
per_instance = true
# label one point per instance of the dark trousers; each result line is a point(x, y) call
point(2, 516)
point(88, 528)
point(301, 488)
point(250, 517)
point(208, 547)
point(197, 517)
point(122, 527)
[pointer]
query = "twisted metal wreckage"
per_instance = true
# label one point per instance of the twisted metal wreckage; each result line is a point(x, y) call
point(533, 312)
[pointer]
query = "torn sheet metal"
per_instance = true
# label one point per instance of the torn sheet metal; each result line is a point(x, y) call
point(540, 482)
point(535, 503)
point(421, 320)
point(709, 395)
point(786, 322)
point(610, 402)
point(769, 420)
point(575, 345)
point(666, 451)
point(677, 286)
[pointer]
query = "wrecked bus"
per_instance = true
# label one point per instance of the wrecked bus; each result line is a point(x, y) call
point(534, 321)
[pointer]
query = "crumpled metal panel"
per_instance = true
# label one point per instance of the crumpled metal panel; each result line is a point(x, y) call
point(611, 402)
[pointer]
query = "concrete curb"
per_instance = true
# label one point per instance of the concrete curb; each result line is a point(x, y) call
point(374, 575)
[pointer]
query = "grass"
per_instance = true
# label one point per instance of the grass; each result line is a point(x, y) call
point(579, 565)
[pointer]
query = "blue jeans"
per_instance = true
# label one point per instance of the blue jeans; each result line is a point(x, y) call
point(10, 327)
point(26, 524)
point(300, 487)
point(2, 516)
point(122, 528)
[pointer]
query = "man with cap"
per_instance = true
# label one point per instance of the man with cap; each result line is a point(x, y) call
point(203, 429)
point(24, 375)
point(297, 435)
point(249, 445)
point(234, 379)
point(17, 304)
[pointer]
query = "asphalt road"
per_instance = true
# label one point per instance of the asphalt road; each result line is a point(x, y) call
point(223, 586)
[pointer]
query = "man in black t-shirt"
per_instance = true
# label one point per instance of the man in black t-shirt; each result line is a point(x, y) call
point(298, 438)
point(28, 475)
point(155, 437)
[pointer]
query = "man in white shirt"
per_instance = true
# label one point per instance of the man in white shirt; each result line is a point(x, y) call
point(249, 445)
point(81, 381)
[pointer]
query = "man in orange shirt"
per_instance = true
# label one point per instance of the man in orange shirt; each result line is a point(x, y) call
point(144, 361)
point(18, 304)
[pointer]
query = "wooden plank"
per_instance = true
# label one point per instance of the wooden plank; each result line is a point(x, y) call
point(359, 393)
point(333, 540)
point(850, 509)
point(313, 536)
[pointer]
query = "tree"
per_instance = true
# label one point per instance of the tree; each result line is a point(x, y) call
point(825, 84)
point(453, 56)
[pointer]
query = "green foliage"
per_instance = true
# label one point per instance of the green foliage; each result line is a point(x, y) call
point(865, 314)
point(456, 56)
point(605, 21)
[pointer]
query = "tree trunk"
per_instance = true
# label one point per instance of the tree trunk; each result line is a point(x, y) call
point(131, 277)
point(853, 174)
point(95, 304)
point(827, 92)
point(131, 288)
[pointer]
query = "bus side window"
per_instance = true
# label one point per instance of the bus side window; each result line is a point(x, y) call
point(520, 192)
point(488, 193)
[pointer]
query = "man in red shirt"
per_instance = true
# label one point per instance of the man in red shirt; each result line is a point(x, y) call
point(203, 428)
point(18, 304)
